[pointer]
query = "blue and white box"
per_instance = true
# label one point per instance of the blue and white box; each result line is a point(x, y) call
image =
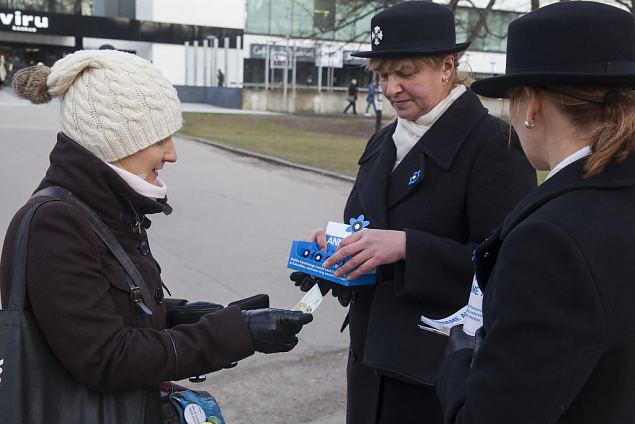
point(307, 257)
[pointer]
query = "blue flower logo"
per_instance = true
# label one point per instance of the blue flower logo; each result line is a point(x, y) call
point(415, 176)
point(357, 224)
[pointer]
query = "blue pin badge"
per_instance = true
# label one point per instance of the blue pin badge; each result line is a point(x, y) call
point(414, 177)
point(357, 224)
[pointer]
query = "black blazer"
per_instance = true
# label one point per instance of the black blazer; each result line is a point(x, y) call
point(559, 284)
point(469, 179)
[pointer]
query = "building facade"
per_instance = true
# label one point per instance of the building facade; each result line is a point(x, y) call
point(253, 43)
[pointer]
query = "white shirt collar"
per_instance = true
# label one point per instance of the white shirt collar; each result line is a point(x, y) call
point(140, 185)
point(407, 133)
point(582, 153)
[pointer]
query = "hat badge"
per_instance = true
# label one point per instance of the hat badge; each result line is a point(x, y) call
point(376, 35)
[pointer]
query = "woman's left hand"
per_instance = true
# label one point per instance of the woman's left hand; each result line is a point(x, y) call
point(368, 249)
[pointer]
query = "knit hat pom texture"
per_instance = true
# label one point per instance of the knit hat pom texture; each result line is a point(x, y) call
point(30, 83)
point(113, 103)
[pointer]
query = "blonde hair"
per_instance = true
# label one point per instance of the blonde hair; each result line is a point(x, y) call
point(391, 64)
point(610, 110)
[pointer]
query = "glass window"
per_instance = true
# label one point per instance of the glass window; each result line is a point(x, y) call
point(83, 7)
point(492, 37)
point(258, 16)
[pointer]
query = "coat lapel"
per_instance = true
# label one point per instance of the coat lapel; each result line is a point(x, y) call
point(571, 178)
point(441, 143)
point(372, 179)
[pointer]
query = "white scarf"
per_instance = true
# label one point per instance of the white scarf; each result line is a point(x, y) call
point(140, 185)
point(407, 133)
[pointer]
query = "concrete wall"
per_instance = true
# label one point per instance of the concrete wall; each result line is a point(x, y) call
point(304, 101)
point(310, 101)
point(230, 97)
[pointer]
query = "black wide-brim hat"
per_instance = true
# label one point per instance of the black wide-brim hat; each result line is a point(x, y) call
point(567, 43)
point(412, 28)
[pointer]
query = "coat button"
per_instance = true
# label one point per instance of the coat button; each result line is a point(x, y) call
point(144, 247)
point(486, 255)
point(158, 295)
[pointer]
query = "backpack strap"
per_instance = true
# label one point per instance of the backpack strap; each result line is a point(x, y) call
point(138, 289)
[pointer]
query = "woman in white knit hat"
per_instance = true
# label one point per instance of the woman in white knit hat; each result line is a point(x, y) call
point(118, 114)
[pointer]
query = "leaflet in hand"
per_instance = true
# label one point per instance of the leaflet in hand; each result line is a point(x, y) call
point(308, 257)
point(471, 316)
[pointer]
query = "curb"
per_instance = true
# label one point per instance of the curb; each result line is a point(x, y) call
point(269, 159)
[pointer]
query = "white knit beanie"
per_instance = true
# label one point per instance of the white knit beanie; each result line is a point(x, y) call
point(112, 103)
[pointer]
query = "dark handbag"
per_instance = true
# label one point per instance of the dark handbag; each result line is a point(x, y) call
point(34, 386)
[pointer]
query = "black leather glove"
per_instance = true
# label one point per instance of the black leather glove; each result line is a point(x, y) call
point(306, 282)
point(459, 340)
point(274, 330)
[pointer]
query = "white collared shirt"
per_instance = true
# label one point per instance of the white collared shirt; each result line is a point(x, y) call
point(582, 153)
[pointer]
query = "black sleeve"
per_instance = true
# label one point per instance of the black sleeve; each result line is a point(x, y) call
point(540, 346)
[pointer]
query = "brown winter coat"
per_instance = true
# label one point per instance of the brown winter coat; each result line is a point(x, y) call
point(80, 298)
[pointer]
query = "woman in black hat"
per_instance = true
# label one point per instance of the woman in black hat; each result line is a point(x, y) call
point(558, 341)
point(432, 185)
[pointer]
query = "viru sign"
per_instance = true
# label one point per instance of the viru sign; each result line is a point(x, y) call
point(23, 22)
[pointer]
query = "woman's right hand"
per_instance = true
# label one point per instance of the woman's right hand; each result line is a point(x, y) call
point(274, 330)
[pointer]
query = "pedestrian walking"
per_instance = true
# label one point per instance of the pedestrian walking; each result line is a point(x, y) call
point(351, 96)
point(3, 71)
point(220, 78)
point(370, 97)
point(432, 185)
point(558, 341)
point(118, 114)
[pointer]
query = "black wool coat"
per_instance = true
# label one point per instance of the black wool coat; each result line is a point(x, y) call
point(80, 298)
point(470, 177)
point(559, 283)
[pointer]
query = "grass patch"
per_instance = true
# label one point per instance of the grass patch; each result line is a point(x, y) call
point(331, 143)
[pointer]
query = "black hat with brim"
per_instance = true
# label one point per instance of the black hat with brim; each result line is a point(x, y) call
point(567, 43)
point(412, 28)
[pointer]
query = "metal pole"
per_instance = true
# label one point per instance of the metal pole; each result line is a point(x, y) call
point(238, 60)
point(380, 102)
point(214, 61)
point(318, 57)
point(226, 62)
point(187, 62)
point(267, 65)
point(206, 63)
point(293, 69)
point(195, 62)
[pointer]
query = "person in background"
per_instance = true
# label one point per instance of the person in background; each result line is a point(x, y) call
point(431, 186)
point(220, 78)
point(351, 96)
point(3, 71)
point(370, 97)
point(118, 115)
point(558, 341)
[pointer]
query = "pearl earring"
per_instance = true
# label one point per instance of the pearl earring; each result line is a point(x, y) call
point(529, 125)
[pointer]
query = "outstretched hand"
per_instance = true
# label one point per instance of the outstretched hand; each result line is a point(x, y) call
point(367, 250)
point(274, 330)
